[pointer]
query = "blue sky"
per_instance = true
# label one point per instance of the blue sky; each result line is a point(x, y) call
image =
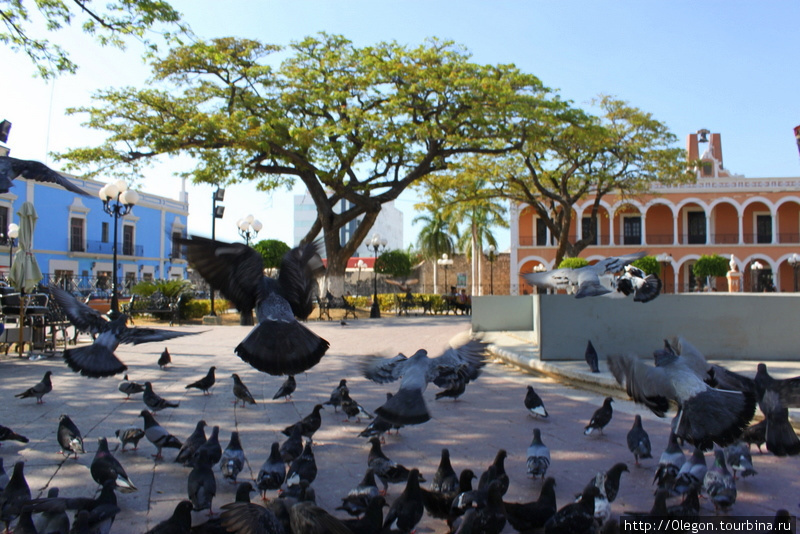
point(726, 65)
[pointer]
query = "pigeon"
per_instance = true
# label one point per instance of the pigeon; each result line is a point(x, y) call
point(201, 485)
point(638, 441)
point(279, 344)
point(105, 467)
point(385, 469)
point(100, 512)
point(130, 388)
point(534, 404)
point(490, 518)
point(439, 504)
point(165, 359)
point(56, 521)
point(705, 415)
point(467, 495)
point(272, 472)
point(307, 517)
point(601, 279)
point(205, 383)
point(155, 402)
point(454, 381)
point(600, 418)
point(574, 518)
point(525, 517)
point(591, 357)
point(158, 435)
point(407, 406)
point(233, 460)
point(756, 434)
point(353, 409)
point(241, 392)
point(192, 443)
point(538, 456)
point(775, 397)
point(3, 475)
point(41, 389)
point(6, 434)
point(669, 464)
point(499, 473)
point(611, 478)
point(212, 448)
point(407, 508)
point(718, 484)
point(445, 479)
point(336, 395)
point(180, 522)
point(737, 455)
point(372, 520)
point(293, 446)
point(14, 495)
point(69, 437)
point(304, 467)
point(308, 425)
point(689, 508)
point(691, 473)
point(248, 517)
point(129, 435)
point(602, 506)
point(98, 359)
point(25, 523)
point(358, 498)
point(286, 389)
point(12, 168)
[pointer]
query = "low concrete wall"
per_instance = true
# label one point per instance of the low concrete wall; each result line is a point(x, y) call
point(732, 326)
point(502, 313)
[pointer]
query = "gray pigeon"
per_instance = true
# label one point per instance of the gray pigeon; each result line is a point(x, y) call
point(205, 383)
point(691, 473)
point(775, 397)
point(41, 389)
point(639, 441)
point(98, 360)
point(129, 435)
point(69, 437)
point(601, 279)
point(180, 522)
point(445, 479)
point(279, 344)
point(304, 467)
point(52, 522)
point(165, 359)
point(201, 485)
point(272, 472)
point(7, 434)
point(538, 456)
point(212, 448)
point(336, 395)
point(286, 389)
point(600, 418)
point(158, 435)
point(12, 168)
point(358, 498)
point(534, 404)
point(591, 357)
point(14, 495)
point(718, 484)
point(233, 460)
point(154, 401)
point(670, 463)
point(407, 406)
point(105, 467)
point(192, 443)
point(705, 415)
point(241, 392)
point(129, 387)
point(737, 455)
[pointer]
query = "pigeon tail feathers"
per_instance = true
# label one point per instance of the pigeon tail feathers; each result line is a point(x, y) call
point(280, 347)
point(95, 361)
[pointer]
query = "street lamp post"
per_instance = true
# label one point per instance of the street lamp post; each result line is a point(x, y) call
point(664, 259)
point(755, 268)
point(794, 261)
point(361, 264)
point(376, 244)
point(249, 228)
point(492, 257)
point(445, 262)
point(118, 201)
point(216, 213)
point(13, 232)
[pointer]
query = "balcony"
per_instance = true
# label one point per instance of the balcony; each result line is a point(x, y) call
point(99, 247)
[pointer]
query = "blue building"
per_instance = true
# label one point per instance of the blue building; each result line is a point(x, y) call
point(73, 240)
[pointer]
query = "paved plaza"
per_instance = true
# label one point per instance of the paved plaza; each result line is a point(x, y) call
point(489, 416)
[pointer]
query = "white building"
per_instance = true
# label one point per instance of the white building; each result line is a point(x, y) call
point(389, 224)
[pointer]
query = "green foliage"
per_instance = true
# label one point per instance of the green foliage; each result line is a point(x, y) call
point(573, 263)
point(169, 288)
point(198, 308)
point(649, 264)
point(394, 263)
point(272, 250)
point(710, 265)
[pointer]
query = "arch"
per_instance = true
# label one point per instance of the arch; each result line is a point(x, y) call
point(753, 200)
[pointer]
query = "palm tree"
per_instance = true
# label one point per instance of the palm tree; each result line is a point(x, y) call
point(480, 216)
point(434, 239)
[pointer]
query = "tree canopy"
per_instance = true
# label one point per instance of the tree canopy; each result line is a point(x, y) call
point(358, 125)
point(272, 251)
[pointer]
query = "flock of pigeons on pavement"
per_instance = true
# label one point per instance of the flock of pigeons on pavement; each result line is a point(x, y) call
point(715, 408)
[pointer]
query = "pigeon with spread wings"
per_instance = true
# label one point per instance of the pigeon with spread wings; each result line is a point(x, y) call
point(98, 359)
point(601, 279)
point(279, 344)
point(407, 406)
point(12, 168)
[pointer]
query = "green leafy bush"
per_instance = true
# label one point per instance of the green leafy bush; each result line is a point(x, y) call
point(573, 263)
point(649, 264)
point(394, 263)
point(196, 309)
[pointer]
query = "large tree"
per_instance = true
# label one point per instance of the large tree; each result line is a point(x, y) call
point(111, 23)
point(352, 124)
point(436, 237)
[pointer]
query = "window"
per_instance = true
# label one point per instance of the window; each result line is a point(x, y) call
point(763, 229)
point(76, 235)
point(4, 222)
point(589, 226)
point(632, 231)
point(176, 247)
point(104, 232)
point(541, 233)
point(127, 240)
point(696, 222)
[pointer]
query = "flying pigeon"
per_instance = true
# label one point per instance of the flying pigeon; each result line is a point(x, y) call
point(98, 359)
point(308, 425)
point(336, 395)
point(7, 434)
point(179, 521)
point(205, 383)
point(41, 389)
point(105, 467)
point(591, 357)
point(211, 448)
point(670, 463)
point(233, 459)
point(718, 484)
point(534, 404)
point(304, 467)
point(775, 397)
point(154, 401)
point(705, 415)
point(158, 435)
point(12, 168)
point(272, 472)
point(407, 406)
point(165, 359)
point(192, 443)
point(130, 388)
point(601, 279)
point(691, 473)
point(241, 392)
point(201, 485)
point(69, 437)
point(638, 441)
point(527, 517)
point(407, 509)
point(737, 455)
point(129, 435)
point(538, 456)
point(278, 344)
point(600, 418)
point(286, 389)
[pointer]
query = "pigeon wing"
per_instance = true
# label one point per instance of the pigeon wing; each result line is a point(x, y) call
point(134, 336)
point(11, 168)
point(79, 314)
point(615, 264)
point(644, 383)
point(297, 278)
point(466, 359)
point(555, 279)
point(383, 370)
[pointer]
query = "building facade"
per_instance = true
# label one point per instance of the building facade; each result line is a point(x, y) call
point(73, 239)
point(757, 220)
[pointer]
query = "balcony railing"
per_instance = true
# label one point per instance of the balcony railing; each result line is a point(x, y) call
point(99, 247)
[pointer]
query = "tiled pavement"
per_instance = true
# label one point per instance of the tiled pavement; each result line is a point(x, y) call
point(488, 417)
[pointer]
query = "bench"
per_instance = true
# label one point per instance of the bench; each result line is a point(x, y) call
point(329, 302)
point(157, 305)
point(457, 304)
point(410, 302)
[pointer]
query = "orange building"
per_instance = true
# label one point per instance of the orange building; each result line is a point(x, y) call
point(757, 220)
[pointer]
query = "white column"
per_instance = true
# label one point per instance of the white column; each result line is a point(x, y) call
point(611, 230)
point(741, 229)
point(675, 240)
point(643, 218)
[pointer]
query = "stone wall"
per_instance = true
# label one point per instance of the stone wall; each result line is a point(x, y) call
point(499, 272)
